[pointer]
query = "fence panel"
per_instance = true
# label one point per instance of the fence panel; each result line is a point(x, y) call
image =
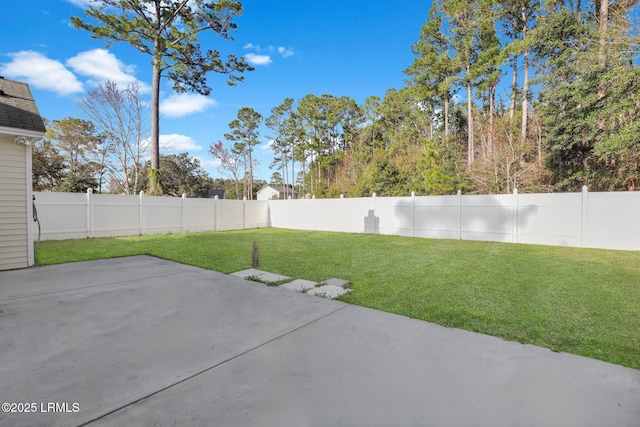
point(345, 215)
point(395, 215)
point(161, 215)
point(487, 217)
point(599, 220)
point(230, 215)
point(550, 219)
point(437, 217)
point(114, 215)
point(295, 214)
point(200, 215)
point(256, 214)
point(78, 215)
point(613, 220)
point(62, 215)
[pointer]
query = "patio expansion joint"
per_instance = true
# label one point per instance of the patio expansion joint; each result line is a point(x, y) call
point(121, 282)
point(210, 368)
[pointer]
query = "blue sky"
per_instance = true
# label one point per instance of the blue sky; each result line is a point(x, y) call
point(344, 48)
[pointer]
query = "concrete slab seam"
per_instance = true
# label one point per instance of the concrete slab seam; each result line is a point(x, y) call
point(91, 286)
point(203, 371)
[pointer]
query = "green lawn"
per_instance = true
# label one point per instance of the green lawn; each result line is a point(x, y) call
point(581, 301)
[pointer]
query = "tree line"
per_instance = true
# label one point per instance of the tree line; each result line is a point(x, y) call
point(109, 152)
point(539, 96)
point(76, 156)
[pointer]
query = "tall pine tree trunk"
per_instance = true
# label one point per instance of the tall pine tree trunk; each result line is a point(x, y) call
point(446, 117)
point(304, 171)
point(154, 173)
point(470, 142)
point(525, 83)
point(603, 17)
point(293, 175)
point(250, 187)
point(514, 88)
point(154, 179)
point(525, 98)
point(285, 175)
point(492, 107)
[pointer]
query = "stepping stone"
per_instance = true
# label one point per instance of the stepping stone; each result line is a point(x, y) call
point(328, 291)
point(300, 285)
point(336, 282)
point(264, 276)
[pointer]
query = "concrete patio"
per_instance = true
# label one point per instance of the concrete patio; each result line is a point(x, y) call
point(143, 341)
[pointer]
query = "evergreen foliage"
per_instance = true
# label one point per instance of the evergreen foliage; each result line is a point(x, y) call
point(502, 94)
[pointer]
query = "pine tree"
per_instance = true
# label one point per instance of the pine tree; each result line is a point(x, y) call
point(246, 135)
point(167, 30)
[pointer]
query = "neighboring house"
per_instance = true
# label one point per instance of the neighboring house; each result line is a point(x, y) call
point(270, 192)
point(216, 192)
point(20, 126)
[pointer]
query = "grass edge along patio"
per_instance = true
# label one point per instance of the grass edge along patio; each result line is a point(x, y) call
point(575, 300)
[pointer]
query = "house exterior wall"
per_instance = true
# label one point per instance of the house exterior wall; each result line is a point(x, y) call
point(16, 231)
point(268, 193)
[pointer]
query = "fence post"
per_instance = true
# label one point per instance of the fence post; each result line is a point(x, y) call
point(413, 214)
point(141, 209)
point(215, 213)
point(377, 224)
point(89, 213)
point(514, 227)
point(584, 221)
point(183, 218)
point(244, 212)
point(459, 214)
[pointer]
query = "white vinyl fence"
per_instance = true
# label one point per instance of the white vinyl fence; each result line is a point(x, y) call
point(596, 220)
point(77, 215)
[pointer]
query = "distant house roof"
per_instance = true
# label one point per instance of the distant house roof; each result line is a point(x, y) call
point(213, 192)
point(279, 188)
point(18, 109)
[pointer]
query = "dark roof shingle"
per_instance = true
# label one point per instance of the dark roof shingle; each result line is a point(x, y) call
point(279, 188)
point(18, 110)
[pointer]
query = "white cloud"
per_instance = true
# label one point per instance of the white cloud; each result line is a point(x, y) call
point(100, 65)
point(285, 52)
point(178, 143)
point(41, 72)
point(183, 104)
point(81, 3)
point(254, 59)
point(208, 162)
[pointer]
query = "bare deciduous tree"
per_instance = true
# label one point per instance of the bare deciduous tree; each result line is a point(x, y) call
point(229, 161)
point(122, 117)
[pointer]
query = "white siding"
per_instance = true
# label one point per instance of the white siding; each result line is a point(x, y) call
point(14, 226)
point(267, 193)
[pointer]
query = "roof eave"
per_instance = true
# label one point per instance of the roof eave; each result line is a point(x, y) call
point(21, 132)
